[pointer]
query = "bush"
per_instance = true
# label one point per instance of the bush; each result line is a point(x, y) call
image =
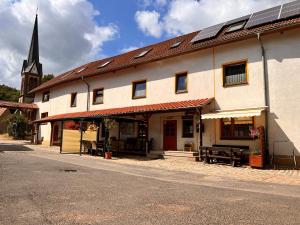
point(17, 126)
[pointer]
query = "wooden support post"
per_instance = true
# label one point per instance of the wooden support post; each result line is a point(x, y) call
point(81, 122)
point(146, 121)
point(119, 136)
point(61, 136)
point(200, 128)
point(37, 133)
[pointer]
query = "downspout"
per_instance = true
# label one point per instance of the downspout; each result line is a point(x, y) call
point(88, 94)
point(266, 90)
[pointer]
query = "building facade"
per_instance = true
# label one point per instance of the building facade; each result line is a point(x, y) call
point(209, 92)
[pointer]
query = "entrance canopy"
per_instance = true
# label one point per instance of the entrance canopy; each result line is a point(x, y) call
point(131, 110)
point(234, 113)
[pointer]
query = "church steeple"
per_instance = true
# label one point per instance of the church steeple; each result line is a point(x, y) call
point(32, 70)
point(33, 55)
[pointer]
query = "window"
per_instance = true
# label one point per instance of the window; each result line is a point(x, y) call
point(104, 64)
point(142, 54)
point(236, 26)
point(139, 89)
point(176, 44)
point(46, 96)
point(187, 127)
point(98, 96)
point(80, 70)
point(73, 99)
point(236, 128)
point(234, 74)
point(181, 83)
point(44, 115)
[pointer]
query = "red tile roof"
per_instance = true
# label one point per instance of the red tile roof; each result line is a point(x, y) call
point(2, 111)
point(17, 105)
point(162, 50)
point(169, 106)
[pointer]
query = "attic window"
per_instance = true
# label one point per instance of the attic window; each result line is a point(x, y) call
point(104, 64)
point(142, 54)
point(81, 69)
point(236, 26)
point(176, 44)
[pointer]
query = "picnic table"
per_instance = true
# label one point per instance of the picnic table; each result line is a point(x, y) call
point(215, 154)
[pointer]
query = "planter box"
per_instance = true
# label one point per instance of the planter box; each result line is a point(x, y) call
point(256, 161)
point(107, 155)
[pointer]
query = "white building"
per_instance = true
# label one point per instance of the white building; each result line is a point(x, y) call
point(235, 76)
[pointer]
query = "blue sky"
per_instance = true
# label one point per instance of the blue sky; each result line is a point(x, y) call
point(74, 32)
point(122, 14)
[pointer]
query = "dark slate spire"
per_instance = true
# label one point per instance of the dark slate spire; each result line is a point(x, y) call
point(32, 70)
point(33, 55)
point(32, 64)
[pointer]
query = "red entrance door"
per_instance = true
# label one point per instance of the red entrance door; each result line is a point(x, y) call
point(170, 135)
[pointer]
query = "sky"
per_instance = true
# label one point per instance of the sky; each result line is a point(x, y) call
point(74, 32)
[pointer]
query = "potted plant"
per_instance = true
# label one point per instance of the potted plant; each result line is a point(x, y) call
point(108, 124)
point(256, 156)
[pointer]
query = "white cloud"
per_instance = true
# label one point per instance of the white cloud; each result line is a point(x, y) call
point(128, 49)
point(68, 35)
point(184, 16)
point(155, 3)
point(148, 22)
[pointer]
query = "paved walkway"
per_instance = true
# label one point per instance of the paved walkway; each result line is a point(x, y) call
point(212, 172)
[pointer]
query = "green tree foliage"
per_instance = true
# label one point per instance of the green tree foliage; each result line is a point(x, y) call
point(9, 94)
point(47, 77)
point(17, 126)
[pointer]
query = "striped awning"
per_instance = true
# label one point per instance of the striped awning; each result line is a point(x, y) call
point(234, 113)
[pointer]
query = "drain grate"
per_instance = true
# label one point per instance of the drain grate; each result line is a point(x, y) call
point(70, 170)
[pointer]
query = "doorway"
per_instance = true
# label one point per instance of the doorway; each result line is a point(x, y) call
point(170, 135)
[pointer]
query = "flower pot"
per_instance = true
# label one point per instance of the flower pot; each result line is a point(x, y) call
point(256, 161)
point(108, 155)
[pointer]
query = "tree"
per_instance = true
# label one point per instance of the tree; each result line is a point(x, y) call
point(8, 93)
point(47, 77)
point(17, 126)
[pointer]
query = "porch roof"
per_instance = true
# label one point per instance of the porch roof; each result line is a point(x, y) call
point(234, 113)
point(153, 108)
point(18, 105)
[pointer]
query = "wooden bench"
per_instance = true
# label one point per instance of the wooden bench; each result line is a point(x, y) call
point(221, 154)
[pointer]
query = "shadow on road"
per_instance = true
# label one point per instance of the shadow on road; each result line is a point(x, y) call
point(13, 148)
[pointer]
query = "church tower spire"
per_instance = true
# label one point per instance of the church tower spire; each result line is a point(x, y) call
point(32, 70)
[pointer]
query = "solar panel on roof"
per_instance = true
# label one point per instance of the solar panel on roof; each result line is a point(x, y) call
point(263, 17)
point(209, 32)
point(290, 9)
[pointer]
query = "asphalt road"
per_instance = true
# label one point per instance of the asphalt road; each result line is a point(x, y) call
point(37, 190)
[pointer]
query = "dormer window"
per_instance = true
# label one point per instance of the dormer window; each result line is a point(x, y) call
point(104, 64)
point(142, 54)
point(176, 44)
point(81, 69)
point(236, 26)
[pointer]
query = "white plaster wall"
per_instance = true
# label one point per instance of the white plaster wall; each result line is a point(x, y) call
point(240, 96)
point(283, 54)
point(156, 124)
